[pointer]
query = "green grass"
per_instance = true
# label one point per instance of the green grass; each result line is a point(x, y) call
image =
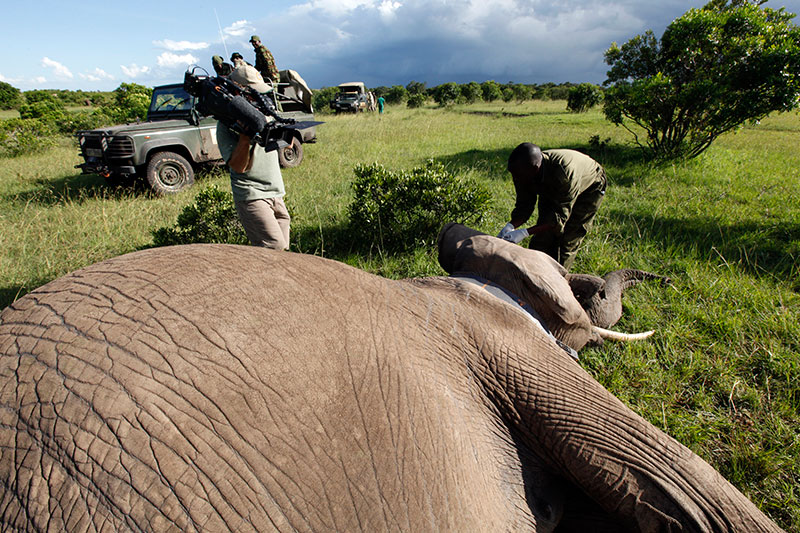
point(722, 373)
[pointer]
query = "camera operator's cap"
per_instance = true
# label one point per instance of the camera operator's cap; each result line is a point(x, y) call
point(249, 77)
point(236, 55)
point(254, 38)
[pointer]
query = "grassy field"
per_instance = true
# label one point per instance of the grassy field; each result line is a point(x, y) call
point(722, 373)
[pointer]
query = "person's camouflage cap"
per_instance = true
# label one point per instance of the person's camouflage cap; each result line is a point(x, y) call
point(255, 38)
point(236, 55)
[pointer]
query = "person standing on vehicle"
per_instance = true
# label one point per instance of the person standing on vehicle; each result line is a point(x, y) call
point(220, 66)
point(265, 63)
point(569, 185)
point(256, 180)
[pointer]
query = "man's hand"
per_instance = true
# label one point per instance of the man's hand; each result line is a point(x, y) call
point(508, 228)
point(516, 235)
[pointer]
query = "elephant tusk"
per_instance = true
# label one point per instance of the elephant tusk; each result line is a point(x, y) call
point(617, 336)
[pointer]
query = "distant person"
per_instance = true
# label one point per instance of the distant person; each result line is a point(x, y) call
point(371, 104)
point(569, 185)
point(265, 63)
point(221, 67)
point(256, 180)
point(381, 103)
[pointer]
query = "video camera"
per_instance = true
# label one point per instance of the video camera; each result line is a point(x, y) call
point(242, 109)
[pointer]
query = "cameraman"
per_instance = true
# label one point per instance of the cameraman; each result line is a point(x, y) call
point(256, 179)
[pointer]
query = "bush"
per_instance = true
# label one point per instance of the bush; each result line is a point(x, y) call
point(399, 210)
point(491, 91)
point(322, 99)
point(10, 96)
point(396, 95)
point(714, 69)
point(416, 100)
point(446, 93)
point(583, 97)
point(20, 136)
point(471, 92)
point(211, 218)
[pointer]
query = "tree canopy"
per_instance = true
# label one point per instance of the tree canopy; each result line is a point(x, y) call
point(713, 69)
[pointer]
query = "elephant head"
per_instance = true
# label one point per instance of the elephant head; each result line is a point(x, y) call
point(256, 390)
point(577, 308)
point(602, 297)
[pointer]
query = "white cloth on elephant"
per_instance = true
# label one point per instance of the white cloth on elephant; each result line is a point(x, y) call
point(508, 228)
point(516, 235)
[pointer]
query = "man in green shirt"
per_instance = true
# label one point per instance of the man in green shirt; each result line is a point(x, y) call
point(569, 186)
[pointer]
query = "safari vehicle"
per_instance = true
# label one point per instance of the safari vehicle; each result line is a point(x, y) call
point(175, 139)
point(352, 98)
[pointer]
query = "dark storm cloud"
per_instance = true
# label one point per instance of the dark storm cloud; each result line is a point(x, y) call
point(391, 42)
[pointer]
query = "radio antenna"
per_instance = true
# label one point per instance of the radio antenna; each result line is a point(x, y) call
point(221, 35)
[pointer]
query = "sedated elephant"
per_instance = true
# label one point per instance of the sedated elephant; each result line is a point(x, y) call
point(231, 388)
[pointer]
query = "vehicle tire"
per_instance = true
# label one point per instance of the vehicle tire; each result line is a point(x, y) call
point(291, 155)
point(168, 173)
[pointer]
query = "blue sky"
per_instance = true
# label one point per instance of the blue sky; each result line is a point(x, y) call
point(95, 45)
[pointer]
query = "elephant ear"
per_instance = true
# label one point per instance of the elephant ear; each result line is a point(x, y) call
point(532, 275)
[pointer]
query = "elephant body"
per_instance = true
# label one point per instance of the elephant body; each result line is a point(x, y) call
point(255, 390)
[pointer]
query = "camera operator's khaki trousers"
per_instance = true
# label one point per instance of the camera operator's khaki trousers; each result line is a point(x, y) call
point(266, 222)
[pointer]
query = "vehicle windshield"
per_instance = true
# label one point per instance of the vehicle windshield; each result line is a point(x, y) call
point(170, 99)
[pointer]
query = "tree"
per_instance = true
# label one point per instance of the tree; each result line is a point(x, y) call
point(471, 92)
point(416, 100)
point(583, 97)
point(9, 96)
point(415, 87)
point(396, 95)
point(714, 69)
point(491, 91)
point(446, 93)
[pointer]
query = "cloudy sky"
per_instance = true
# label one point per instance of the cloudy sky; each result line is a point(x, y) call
point(95, 45)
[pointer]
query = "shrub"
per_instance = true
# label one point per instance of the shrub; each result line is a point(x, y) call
point(713, 69)
point(471, 92)
point(322, 99)
point(211, 218)
point(10, 96)
point(491, 91)
point(416, 100)
point(583, 97)
point(399, 210)
point(446, 93)
point(396, 95)
point(20, 136)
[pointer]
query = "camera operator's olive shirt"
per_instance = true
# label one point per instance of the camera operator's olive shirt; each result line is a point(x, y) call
point(263, 180)
point(566, 174)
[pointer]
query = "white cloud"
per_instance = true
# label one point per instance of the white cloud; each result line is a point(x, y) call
point(97, 74)
point(238, 28)
point(387, 9)
point(9, 80)
point(39, 79)
point(180, 46)
point(134, 70)
point(168, 59)
point(59, 70)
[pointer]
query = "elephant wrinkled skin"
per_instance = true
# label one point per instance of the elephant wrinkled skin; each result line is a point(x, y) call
point(253, 390)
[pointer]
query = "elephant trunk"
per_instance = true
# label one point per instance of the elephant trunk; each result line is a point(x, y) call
point(621, 280)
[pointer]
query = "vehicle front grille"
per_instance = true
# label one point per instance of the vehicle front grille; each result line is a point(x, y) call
point(113, 147)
